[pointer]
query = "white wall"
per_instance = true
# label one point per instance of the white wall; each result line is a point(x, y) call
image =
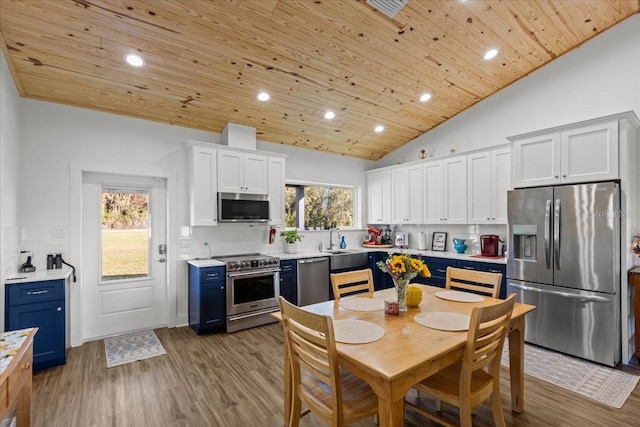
point(9, 154)
point(599, 78)
point(53, 137)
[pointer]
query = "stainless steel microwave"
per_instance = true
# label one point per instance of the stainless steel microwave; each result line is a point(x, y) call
point(237, 207)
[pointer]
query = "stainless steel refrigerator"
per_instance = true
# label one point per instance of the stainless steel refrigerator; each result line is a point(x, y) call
point(564, 258)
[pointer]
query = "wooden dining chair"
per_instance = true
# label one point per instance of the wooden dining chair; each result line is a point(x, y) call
point(333, 394)
point(476, 377)
point(480, 282)
point(357, 281)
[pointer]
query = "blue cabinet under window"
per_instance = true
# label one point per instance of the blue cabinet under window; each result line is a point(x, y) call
point(42, 305)
point(207, 298)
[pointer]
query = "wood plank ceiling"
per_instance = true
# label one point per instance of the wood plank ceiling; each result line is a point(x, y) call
point(205, 61)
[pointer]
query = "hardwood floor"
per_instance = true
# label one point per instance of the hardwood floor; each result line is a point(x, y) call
point(229, 380)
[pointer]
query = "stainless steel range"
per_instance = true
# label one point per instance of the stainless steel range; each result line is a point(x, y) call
point(253, 288)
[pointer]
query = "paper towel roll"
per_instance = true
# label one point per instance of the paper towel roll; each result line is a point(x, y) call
point(422, 241)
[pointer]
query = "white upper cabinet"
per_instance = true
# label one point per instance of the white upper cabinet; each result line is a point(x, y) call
point(407, 193)
point(242, 172)
point(488, 180)
point(203, 186)
point(445, 200)
point(587, 153)
point(379, 196)
point(276, 168)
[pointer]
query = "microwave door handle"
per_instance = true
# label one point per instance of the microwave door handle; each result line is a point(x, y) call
point(556, 234)
point(547, 233)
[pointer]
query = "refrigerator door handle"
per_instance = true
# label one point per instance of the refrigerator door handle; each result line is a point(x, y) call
point(556, 234)
point(562, 294)
point(547, 233)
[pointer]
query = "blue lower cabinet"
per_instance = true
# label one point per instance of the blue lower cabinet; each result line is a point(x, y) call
point(42, 305)
point(491, 268)
point(438, 268)
point(381, 280)
point(207, 299)
point(289, 280)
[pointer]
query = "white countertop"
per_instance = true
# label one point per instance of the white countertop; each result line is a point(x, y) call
point(39, 276)
point(206, 263)
point(318, 254)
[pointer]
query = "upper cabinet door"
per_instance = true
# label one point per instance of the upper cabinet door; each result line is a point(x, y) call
point(433, 194)
point(479, 188)
point(537, 161)
point(500, 184)
point(255, 174)
point(242, 172)
point(406, 192)
point(277, 190)
point(203, 186)
point(230, 171)
point(379, 196)
point(590, 153)
point(455, 190)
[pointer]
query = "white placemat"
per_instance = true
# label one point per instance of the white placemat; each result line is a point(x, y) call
point(443, 320)
point(459, 296)
point(354, 331)
point(362, 304)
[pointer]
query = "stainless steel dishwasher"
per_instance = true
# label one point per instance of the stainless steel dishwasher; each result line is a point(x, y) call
point(313, 280)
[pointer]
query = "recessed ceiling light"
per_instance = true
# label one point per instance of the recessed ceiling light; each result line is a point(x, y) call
point(425, 97)
point(263, 96)
point(490, 54)
point(379, 128)
point(134, 60)
point(329, 115)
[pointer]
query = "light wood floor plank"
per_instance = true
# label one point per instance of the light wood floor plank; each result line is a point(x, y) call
point(235, 380)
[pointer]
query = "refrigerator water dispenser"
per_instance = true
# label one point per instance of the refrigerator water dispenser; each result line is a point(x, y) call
point(524, 242)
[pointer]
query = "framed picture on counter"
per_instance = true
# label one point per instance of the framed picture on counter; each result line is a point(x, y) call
point(439, 241)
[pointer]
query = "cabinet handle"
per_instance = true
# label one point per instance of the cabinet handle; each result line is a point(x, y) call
point(58, 308)
point(38, 292)
point(556, 176)
point(466, 267)
point(564, 176)
point(441, 271)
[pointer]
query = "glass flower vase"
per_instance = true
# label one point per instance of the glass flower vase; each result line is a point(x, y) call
point(401, 292)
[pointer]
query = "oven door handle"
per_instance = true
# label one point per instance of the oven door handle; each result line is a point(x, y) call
point(253, 273)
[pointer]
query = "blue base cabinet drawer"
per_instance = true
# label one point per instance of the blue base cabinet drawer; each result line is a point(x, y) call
point(438, 269)
point(491, 268)
point(41, 305)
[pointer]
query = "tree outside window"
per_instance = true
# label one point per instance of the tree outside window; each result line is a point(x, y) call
point(319, 207)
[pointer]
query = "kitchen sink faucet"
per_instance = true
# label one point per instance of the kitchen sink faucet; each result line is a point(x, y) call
point(331, 245)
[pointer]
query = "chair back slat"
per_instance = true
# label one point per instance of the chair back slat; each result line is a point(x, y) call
point(351, 282)
point(480, 282)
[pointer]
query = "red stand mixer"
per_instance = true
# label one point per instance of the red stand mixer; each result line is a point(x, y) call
point(374, 236)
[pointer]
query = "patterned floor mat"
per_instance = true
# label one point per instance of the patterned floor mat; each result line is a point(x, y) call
point(132, 347)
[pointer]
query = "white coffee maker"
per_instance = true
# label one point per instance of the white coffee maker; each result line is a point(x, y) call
point(402, 240)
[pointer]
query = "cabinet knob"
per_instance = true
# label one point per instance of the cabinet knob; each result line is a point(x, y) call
point(488, 219)
point(564, 176)
point(58, 308)
point(26, 366)
point(556, 176)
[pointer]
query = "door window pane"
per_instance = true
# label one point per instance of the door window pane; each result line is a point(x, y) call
point(125, 234)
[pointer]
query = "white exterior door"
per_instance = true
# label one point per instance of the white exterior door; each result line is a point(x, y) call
point(123, 289)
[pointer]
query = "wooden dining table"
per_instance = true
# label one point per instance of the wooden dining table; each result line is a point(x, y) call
point(410, 352)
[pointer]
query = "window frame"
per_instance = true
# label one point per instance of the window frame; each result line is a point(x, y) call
point(357, 203)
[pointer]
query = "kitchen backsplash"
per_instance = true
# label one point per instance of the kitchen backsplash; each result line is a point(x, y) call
point(230, 239)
